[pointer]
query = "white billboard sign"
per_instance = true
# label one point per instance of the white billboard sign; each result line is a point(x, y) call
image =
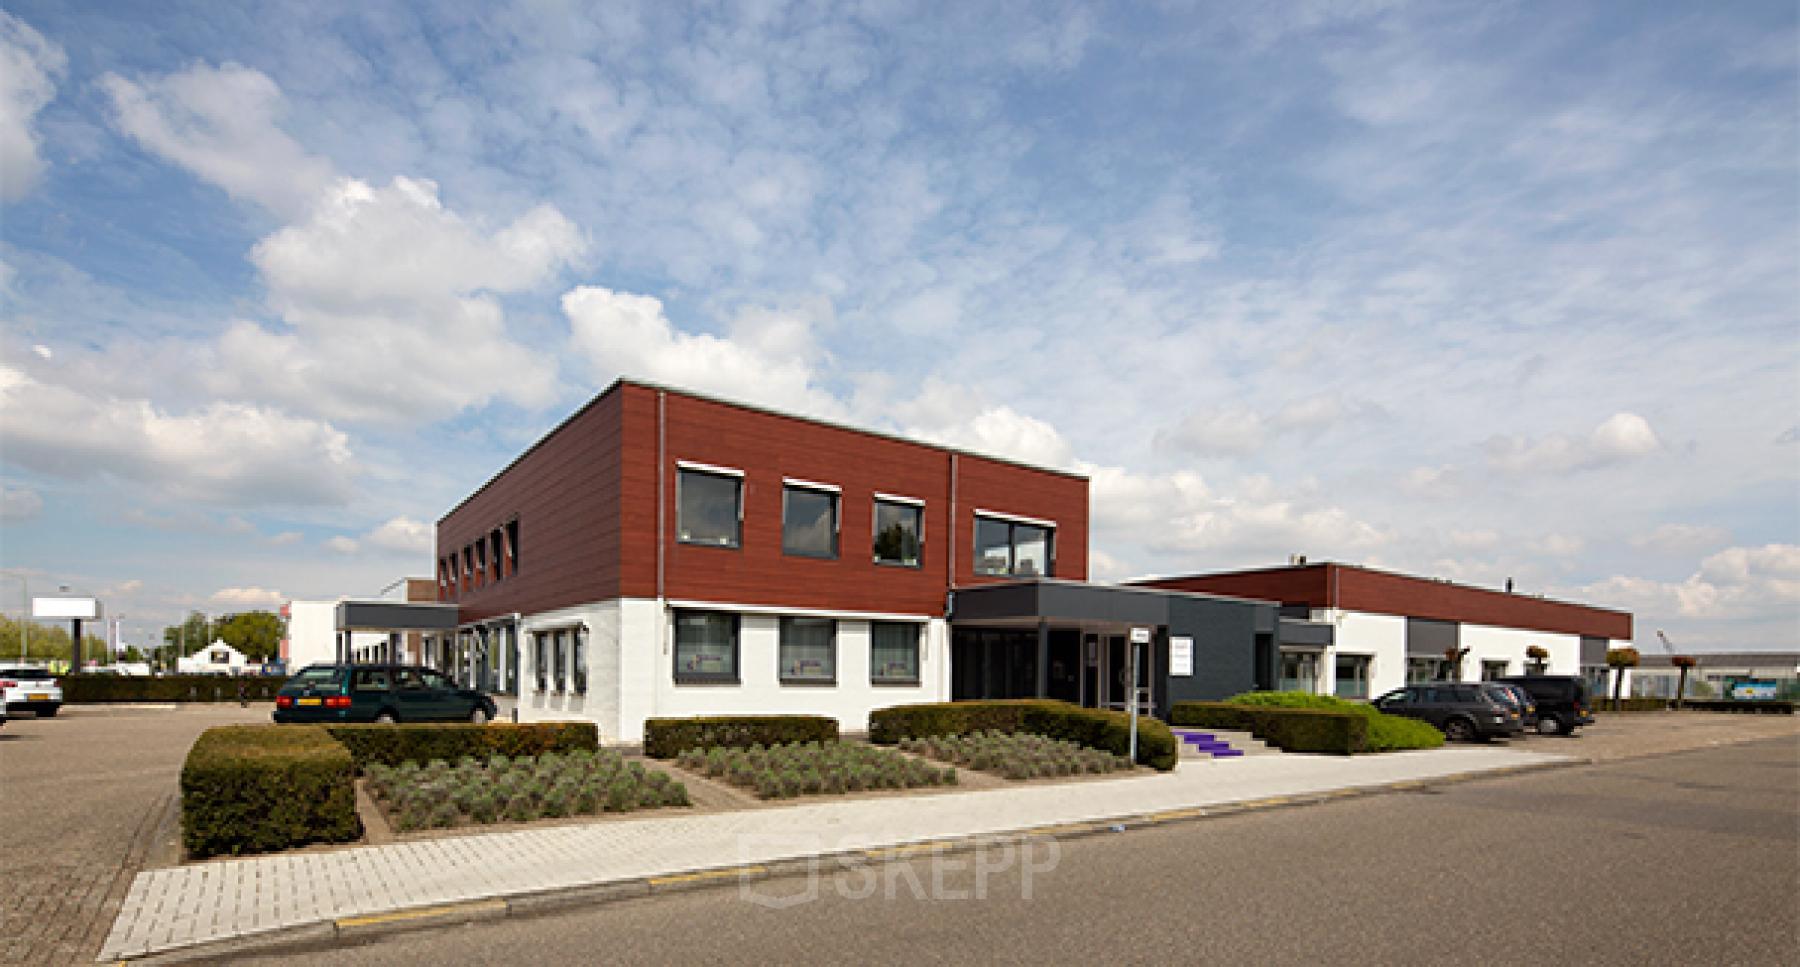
point(1181, 656)
point(66, 606)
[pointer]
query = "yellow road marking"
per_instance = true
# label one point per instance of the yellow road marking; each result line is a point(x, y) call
point(703, 875)
point(1173, 814)
point(420, 913)
point(909, 849)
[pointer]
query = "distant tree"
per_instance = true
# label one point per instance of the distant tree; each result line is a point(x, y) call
point(1683, 662)
point(1535, 657)
point(131, 654)
point(1619, 659)
point(255, 633)
point(43, 642)
point(1454, 656)
point(194, 633)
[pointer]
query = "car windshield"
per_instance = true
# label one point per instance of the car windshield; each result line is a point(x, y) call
point(26, 674)
point(317, 675)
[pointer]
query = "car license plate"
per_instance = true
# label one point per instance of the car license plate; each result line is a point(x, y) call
point(38, 697)
point(309, 701)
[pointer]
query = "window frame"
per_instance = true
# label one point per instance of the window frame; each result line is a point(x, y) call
point(918, 646)
point(511, 527)
point(539, 661)
point(736, 675)
point(578, 660)
point(1012, 522)
point(833, 493)
point(682, 469)
point(1366, 663)
point(559, 658)
point(781, 662)
point(895, 500)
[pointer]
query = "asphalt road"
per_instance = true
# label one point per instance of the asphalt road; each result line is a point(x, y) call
point(1679, 859)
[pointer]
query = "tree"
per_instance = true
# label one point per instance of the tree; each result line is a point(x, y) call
point(131, 654)
point(1535, 657)
point(47, 643)
point(193, 634)
point(1683, 662)
point(255, 633)
point(1619, 659)
point(1454, 656)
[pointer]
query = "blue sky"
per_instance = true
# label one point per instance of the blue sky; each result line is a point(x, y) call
point(1472, 290)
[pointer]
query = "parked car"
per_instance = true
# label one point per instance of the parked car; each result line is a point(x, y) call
point(1521, 700)
point(1463, 711)
point(31, 690)
point(1562, 701)
point(378, 693)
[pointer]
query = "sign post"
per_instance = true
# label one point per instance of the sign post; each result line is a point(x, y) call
point(1139, 636)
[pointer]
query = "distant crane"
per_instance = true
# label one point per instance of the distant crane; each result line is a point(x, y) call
point(1665, 642)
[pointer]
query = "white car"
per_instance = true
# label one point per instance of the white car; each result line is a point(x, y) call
point(31, 690)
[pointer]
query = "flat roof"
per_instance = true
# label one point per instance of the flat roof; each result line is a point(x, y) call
point(755, 408)
point(1422, 579)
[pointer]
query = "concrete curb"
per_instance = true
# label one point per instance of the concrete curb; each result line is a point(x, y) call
point(314, 937)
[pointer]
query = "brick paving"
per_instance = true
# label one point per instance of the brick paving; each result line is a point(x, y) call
point(81, 796)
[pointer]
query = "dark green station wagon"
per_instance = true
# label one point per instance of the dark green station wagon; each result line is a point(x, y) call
point(378, 693)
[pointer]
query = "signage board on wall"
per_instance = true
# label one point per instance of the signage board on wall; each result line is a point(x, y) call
point(1140, 636)
point(1181, 656)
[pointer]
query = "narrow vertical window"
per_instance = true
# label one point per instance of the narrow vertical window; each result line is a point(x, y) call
point(495, 554)
point(540, 660)
point(512, 546)
point(562, 661)
point(578, 667)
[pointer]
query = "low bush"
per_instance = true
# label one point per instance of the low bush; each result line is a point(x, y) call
point(1386, 733)
point(1016, 755)
point(813, 768)
point(1095, 728)
point(82, 689)
point(257, 788)
point(1765, 706)
point(667, 738)
point(394, 744)
point(1635, 705)
point(499, 788)
point(1288, 729)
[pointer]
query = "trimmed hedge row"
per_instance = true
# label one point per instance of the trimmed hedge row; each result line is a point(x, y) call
point(1094, 728)
point(1288, 729)
point(1765, 706)
point(391, 745)
point(257, 788)
point(1635, 705)
point(81, 689)
point(668, 738)
point(1387, 733)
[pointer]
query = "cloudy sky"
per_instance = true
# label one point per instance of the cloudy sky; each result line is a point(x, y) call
point(1477, 291)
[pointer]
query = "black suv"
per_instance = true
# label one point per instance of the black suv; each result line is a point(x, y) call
point(378, 693)
point(1464, 711)
point(1562, 701)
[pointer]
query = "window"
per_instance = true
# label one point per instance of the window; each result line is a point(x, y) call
point(540, 663)
point(1426, 669)
point(481, 563)
point(494, 551)
point(808, 652)
point(899, 531)
point(809, 520)
point(1299, 671)
point(1016, 548)
point(561, 653)
point(1491, 670)
point(1352, 676)
point(370, 680)
point(512, 546)
point(578, 665)
point(468, 556)
point(709, 507)
point(706, 646)
point(894, 653)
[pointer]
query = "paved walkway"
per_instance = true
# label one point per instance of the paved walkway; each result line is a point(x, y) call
point(184, 906)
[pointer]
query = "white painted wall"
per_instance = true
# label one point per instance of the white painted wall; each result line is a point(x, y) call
point(1381, 637)
point(1488, 643)
point(312, 634)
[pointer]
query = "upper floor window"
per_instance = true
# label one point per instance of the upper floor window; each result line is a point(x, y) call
point(899, 530)
point(468, 556)
point(1013, 547)
point(512, 546)
point(809, 519)
point(496, 554)
point(709, 505)
point(481, 562)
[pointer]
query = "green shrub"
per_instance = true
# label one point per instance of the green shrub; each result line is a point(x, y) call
point(667, 738)
point(404, 743)
point(80, 689)
point(1387, 733)
point(257, 788)
point(1095, 728)
point(1289, 729)
point(1635, 705)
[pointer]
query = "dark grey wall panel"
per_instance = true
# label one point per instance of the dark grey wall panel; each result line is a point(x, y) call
point(396, 616)
point(1593, 650)
point(1309, 634)
point(1224, 634)
point(1428, 638)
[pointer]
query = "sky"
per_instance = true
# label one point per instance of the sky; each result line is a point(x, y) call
point(1476, 291)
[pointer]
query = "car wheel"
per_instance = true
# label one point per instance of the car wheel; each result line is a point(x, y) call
point(479, 716)
point(1549, 725)
point(386, 718)
point(49, 713)
point(1459, 730)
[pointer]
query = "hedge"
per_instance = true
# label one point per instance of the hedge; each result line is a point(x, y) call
point(1095, 728)
point(257, 788)
point(79, 689)
point(668, 738)
point(392, 745)
point(1288, 729)
point(1765, 706)
point(1635, 705)
point(1387, 733)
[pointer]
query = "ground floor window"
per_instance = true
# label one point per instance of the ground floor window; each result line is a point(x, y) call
point(1493, 670)
point(706, 646)
point(1352, 676)
point(578, 666)
point(808, 651)
point(560, 649)
point(1299, 671)
point(894, 652)
point(1426, 670)
point(540, 660)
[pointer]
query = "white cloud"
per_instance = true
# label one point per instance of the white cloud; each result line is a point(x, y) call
point(1476, 540)
point(403, 535)
point(249, 598)
point(342, 544)
point(1238, 430)
point(1622, 437)
point(29, 68)
point(230, 453)
point(1559, 545)
point(19, 503)
point(1738, 583)
point(222, 123)
point(285, 538)
point(1681, 538)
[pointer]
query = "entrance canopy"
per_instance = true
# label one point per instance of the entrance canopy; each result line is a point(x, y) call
point(392, 616)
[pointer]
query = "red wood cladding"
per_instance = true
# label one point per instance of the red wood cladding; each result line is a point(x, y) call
point(1383, 592)
point(587, 539)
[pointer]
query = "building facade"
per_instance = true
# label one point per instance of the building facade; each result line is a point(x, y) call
point(1389, 629)
point(662, 553)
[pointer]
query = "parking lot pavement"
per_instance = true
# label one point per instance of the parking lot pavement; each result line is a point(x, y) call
point(1628, 735)
point(81, 797)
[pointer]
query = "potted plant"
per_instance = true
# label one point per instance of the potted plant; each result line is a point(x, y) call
point(1454, 656)
point(1536, 657)
point(1619, 659)
point(1683, 662)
